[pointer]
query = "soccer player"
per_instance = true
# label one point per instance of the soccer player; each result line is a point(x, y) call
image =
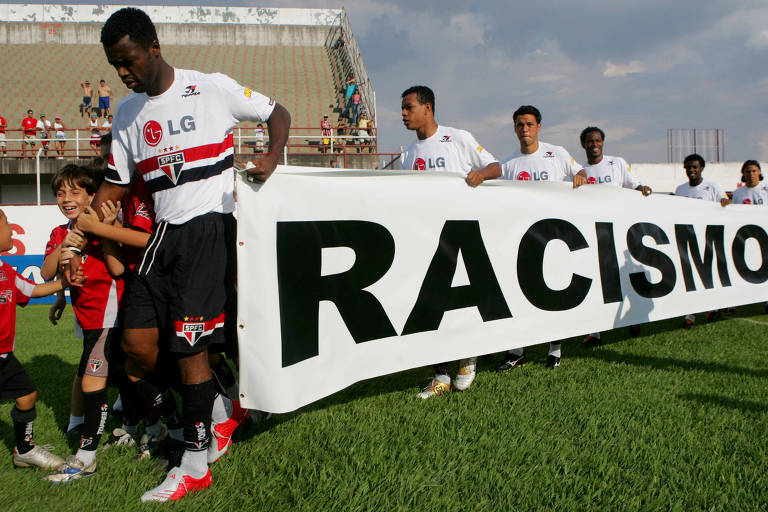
point(699, 188)
point(537, 161)
point(15, 384)
point(612, 171)
point(444, 149)
point(29, 127)
point(176, 131)
point(95, 305)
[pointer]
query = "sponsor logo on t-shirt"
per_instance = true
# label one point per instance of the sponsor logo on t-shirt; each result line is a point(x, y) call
point(591, 180)
point(524, 176)
point(446, 138)
point(2, 276)
point(153, 133)
point(533, 175)
point(247, 92)
point(549, 154)
point(190, 90)
point(420, 164)
point(6, 296)
point(747, 201)
point(479, 149)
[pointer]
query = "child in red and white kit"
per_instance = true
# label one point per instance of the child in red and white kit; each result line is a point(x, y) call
point(15, 384)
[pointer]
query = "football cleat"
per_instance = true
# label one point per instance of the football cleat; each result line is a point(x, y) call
point(120, 437)
point(466, 374)
point(37, 456)
point(177, 485)
point(435, 388)
point(634, 330)
point(687, 324)
point(510, 362)
point(221, 439)
point(72, 469)
point(148, 444)
point(238, 412)
point(553, 362)
point(591, 341)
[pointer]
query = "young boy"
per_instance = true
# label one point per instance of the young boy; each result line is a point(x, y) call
point(95, 306)
point(14, 381)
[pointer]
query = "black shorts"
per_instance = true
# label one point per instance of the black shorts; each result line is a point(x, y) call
point(99, 348)
point(14, 381)
point(184, 283)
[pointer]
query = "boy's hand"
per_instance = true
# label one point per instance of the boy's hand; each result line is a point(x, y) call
point(57, 308)
point(109, 211)
point(87, 220)
point(74, 238)
point(73, 271)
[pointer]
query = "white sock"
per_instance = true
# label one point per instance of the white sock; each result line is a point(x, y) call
point(75, 421)
point(445, 379)
point(692, 318)
point(516, 352)
point(595, 335)
point(554, 349)
point(195, 463)
point(222, 409)
point(154, 430)
point(118, 405)
point(86, 456)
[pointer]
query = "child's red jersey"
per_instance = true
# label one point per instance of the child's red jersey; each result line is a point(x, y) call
point(14, 289)
point(96, 302)
point(138, 212)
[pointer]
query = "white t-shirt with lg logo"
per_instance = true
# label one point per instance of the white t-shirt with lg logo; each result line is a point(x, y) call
point(548, 163)
point(757, 195)
point(707, 190)
point(448, 150)
point(613, 171)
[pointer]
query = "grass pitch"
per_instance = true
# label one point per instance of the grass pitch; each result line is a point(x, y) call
point(671, 420)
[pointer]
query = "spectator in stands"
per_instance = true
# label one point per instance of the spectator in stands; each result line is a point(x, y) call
point(259, 146)
point(105, 96)
point(95, 129)
point(339, 142)
point(351, 88)
point(44, 125)
point(325, 131)
point(334, 164)
point(355, 108)
point(3, 125)
point(87, 95)
point(339, 44)
point(61, 137)
point(106, 127)
point(29, 126)
point(362, 130)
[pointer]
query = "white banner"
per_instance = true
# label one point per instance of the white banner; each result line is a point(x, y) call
point(345, 276)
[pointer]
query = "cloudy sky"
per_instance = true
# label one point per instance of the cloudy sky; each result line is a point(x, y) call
point(635, 68)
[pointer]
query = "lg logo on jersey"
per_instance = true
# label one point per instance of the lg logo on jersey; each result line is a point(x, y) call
point(420, 164)
point(153, 132)
point(599, 180)
point(535, 175)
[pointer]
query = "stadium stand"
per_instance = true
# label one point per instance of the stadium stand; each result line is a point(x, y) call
point(285, 53)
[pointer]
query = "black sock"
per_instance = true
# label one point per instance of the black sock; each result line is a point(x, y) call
point(197, 403)
point(95, 408)
point(161, 401)
point(223, 376)
point(23, 428)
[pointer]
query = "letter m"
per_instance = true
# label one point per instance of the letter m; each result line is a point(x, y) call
point(687, 244)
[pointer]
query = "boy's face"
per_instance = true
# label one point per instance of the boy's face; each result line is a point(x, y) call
point(72, 200)
point(6, 234)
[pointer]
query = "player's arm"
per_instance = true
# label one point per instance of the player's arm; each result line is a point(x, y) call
point(106, 228)
point(50, 264)
point(278, 126)
point(57, 308)
point(113, 258)
point(580, 178)
point(489, 172)
point(45, 289)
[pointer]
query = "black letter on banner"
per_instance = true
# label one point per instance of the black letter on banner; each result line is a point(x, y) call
point(652, 258)
point(739, 242)
point(530, 271)
point(301, 287)
point(609, 264)
point(686, 238)
point(437, 296)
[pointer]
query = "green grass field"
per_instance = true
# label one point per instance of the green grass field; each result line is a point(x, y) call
point(671, 420)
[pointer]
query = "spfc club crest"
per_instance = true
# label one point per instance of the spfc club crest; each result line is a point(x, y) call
point(171, 165)
point(192, 331)
point(95, 364)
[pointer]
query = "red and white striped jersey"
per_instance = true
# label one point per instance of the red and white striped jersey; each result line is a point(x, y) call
point(14, 289)
point(181, 141)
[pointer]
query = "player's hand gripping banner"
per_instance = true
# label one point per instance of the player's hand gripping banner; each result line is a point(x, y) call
point(344, 276)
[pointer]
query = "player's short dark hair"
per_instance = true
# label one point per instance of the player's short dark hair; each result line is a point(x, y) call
point(130, 22)
point(589, 129)
point(695, 156)
point(74, 176)
point(423, 93)
point(527, 109)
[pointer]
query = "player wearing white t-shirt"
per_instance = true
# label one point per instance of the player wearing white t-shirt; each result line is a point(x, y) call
point(612, 171)
point(699, 188)
point(444, 149)
point(754, 191)
point(537, 161)
point(175, 132)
